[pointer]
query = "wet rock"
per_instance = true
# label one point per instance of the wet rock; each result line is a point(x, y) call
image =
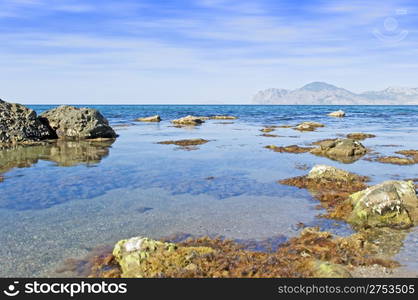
point(344, 150)
point(269, 135)
point(289, 149)
point(190, 120)
point(267, 129)
point(70, 122)
point(359, 136)
point(189, 142)
point(331, 186)
point(155, 118)
point(308, 126)
point(20, 125)
point(391, 204)
point(338, 114)
point(141, 257)
point(320, 142)
point(396, 160)
point(220, 117)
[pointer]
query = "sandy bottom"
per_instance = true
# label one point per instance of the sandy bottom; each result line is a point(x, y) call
point(40, 240)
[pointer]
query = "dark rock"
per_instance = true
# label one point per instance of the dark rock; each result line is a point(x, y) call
point(78, 123)
point(20, 125)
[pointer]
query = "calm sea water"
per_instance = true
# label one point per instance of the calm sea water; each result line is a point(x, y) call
point(60, 201)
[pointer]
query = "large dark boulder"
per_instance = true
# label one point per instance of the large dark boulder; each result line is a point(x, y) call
point(20, 125)
point(70, 122)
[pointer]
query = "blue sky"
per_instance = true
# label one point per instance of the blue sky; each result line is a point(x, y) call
point(202, 51)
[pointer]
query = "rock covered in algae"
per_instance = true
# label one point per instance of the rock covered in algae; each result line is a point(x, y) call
point(338, 114)
point(145, 257)
point(70, 122)
point(331, 186)
point(344, 150)
point(391, 204)
point(289, 149)
point(313, 253)
point(190, 120)
point(360, 136)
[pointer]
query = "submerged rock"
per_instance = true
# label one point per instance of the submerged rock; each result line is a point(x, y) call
point(141, 257)
point(391, 204)
point(155, 118)
point(411, 158)
point(344, 150)
point(308, 126)
point(396, 160)
point(331, 186)
point(70, 122)
point(289, 149)
point(20, 125)
point(189, 120)
point(338, 114)
point(324, 172)
point(360, 136)
point(219, 117)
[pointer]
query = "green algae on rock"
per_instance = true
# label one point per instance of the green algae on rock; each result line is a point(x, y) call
point(391, 204)
point(360, 136)
point(267, 129)
point(338, 114)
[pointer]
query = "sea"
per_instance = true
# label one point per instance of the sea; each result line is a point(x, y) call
point(62, 200)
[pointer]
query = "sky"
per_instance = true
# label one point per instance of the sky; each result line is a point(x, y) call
point(201, 51)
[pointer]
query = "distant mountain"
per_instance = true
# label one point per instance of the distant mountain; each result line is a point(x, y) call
point(321, 93)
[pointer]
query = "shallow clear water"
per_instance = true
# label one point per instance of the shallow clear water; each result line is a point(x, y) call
point(61, 200)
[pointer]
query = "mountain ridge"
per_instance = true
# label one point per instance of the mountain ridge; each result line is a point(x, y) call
point(322, 93)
